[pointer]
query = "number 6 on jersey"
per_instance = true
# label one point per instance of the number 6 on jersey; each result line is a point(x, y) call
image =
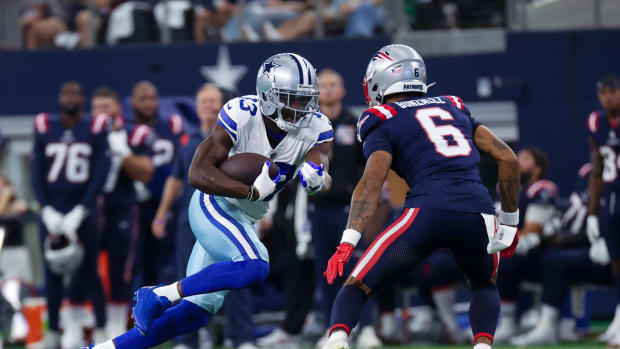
point(437, 133)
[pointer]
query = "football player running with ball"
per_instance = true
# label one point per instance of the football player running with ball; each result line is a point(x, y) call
point(281, 123)
point(433, 143)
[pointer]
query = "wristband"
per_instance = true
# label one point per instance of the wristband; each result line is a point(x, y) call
point(509, 218)
point(351, 236)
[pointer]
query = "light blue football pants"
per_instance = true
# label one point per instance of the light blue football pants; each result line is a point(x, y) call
point(223, 234)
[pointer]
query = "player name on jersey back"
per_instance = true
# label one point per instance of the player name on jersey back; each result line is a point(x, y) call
point(420, 102)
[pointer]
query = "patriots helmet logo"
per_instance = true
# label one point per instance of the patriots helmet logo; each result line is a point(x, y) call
point(382, 55)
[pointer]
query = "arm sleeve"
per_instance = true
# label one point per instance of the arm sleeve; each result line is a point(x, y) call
point(99, 169)
point(378, 139)
point(37, 166)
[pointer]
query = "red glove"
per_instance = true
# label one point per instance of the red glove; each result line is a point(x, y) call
point(508, 252)
point(337, 262)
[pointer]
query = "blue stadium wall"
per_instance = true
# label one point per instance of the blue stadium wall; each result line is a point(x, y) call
point(550, 76)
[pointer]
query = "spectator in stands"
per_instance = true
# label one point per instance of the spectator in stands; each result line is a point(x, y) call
point(211, 16)
point(255, 15)
point(41, 21)
point(357, 18)
point(90, 23)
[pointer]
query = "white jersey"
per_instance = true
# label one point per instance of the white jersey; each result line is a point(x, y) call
point(242, 119)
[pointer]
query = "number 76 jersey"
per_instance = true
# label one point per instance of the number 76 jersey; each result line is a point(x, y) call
point(432, 147)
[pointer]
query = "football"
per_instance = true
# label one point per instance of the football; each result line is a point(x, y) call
point(245, 167)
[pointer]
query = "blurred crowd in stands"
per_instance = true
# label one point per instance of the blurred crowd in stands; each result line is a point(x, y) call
point(87, 23)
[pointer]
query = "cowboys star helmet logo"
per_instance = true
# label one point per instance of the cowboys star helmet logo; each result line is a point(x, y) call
point(269, 66)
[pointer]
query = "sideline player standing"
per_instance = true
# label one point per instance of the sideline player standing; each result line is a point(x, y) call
point(433, 143)
point(280, 122)
point(69, 167)
point(130, 146)
point(155, 259)
point(604, 183)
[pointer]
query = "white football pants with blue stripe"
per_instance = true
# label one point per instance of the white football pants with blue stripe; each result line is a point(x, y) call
point(223, 234)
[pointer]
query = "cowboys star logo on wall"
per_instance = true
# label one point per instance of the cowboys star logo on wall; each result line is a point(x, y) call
point(223, 74)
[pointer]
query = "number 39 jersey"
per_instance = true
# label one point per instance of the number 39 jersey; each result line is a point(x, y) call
point(242, 119)
point(431, 142)
point(603, 132)
point(69, 166)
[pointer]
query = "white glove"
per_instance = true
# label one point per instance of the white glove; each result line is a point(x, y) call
point(599, 253)
point(311, 177)
point(72, 220)
point(526, 243)
point(502, 239)
point(118, 143)
point(264, 184)
point(505, 233)
point(51, 219)
point(592, 228)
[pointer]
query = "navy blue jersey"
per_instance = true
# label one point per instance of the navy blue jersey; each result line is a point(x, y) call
point(119, 189)
point(431, 142)
point(165, 145)
point(69, 166)
point(542, 192)
point(180, 168)
point(602, 131)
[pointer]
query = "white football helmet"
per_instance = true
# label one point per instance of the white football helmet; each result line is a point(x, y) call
point(63, 255)
point(394, 69)
point(287, 90)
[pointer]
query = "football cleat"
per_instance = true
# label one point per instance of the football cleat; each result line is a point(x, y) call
point(613, 329)
point(320, 343)
point(506, 330)
point(338, 340)
point(614, 342)
point(51, 340)
point(100, 335)
point(149, 307)
point(90, 346)
point(544, 333)
point(278, 338)
point(367, 339)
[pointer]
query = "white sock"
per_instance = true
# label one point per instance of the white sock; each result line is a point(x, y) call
point(105, 345)
point(171, 292)
point(444, 300)
point(339, 335)
point(549, 314)
point(116, 319)
point(482, 346)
